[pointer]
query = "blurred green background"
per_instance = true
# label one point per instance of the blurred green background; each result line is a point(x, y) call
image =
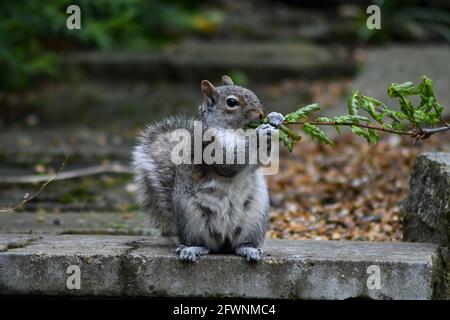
point(33, 33)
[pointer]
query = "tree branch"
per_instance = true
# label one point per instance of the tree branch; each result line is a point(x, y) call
point(107, 168)
point(334, 123)
point(436, 130)
point(418, 134)
point(27, 197)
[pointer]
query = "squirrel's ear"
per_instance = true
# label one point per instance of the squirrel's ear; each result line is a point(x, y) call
point(208, 91)
point(226, 81)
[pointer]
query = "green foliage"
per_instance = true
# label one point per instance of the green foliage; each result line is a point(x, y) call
point(369, 134)
point(239, 77)
point(288, 141)
point(317, 134)
point(404, 20)
point(379, 117)
point(32, 33)
point(428, 111)
point(301, 113)
point(350, 118)
point(353, 103)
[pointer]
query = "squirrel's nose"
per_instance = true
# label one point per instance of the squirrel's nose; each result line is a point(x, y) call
point(262, 114)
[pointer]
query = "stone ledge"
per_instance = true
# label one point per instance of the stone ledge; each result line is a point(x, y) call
point(147, 266)
point(426, 210)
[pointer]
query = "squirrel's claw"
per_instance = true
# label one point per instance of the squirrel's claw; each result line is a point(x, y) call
point(178, 250)
point(189, 254)
point(275, 119)
point(251, 254)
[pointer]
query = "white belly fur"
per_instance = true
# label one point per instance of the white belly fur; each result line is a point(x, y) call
point(229, 215)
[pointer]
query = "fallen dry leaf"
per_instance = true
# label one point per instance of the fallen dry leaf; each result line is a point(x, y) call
point(350, 192)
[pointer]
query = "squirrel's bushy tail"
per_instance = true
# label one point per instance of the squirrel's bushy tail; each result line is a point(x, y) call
point(148, 195)
point(155, 173)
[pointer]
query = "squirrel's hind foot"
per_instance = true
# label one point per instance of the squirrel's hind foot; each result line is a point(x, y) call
point(250, 253)
point(189, 254)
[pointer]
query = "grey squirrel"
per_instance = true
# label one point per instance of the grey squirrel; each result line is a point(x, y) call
point(211, 208)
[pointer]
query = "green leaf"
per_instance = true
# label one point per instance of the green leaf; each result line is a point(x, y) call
point(288, 142)
point(301, 113)
point(439, 108)
point(361, 132)
point(421, 116)
point(324, 119)
point(373, 137)
point(317, 134)
point(353, 103)
point(291, 133)
point(374, 101)
point(369, 106)
point(403, 89)
point(407, 108)
point(428, 101)
point(349, 118)
point(397, 116)
point(337, 128)
point(396, 126)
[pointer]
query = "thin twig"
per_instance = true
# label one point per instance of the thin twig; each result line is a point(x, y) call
point(76, 173)
point(27, 198)
point(436, 130)
point(334, 123)
point(423, 133)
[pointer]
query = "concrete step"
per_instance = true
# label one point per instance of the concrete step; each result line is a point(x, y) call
point(266, 20)
point(111, 223)
point(107, 192)
point(194, 61)
point(82, 146)
point(147, 266)
point(118, 106)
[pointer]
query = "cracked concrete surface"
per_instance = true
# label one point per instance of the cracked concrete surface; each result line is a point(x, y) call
point(147, 266)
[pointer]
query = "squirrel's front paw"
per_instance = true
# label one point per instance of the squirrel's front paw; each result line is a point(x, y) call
point(189, 254)
point(251, 254)
point(263, 128)
point(275, 119)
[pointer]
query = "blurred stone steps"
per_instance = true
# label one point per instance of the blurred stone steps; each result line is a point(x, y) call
point(195, 60)
point(338, 21)
point(112, 223)
point(42, 151)
point(265, 20)
point(105, 192)
point(24, 147)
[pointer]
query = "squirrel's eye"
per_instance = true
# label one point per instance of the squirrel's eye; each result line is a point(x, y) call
point(232, 102)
